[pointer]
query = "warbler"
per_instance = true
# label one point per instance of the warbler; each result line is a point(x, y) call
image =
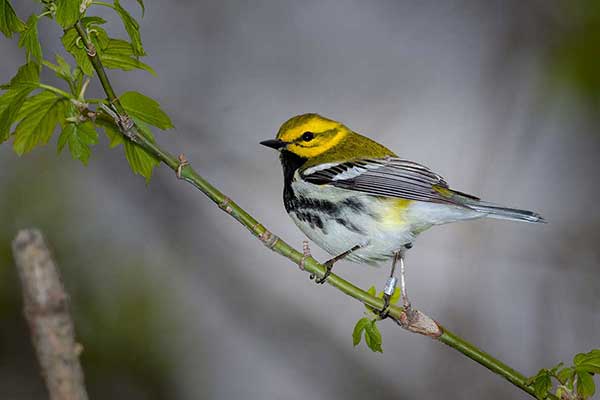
point(358, 200)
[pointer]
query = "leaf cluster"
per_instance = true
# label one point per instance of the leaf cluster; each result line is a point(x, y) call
point(575, 382)
point(31, 111)
point(367, 325)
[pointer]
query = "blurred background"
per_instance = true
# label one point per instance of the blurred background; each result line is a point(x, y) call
point(173, 300)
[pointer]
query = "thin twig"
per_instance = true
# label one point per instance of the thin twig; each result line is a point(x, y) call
point(46, 307)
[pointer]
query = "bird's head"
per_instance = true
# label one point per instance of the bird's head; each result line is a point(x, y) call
point(309, 136)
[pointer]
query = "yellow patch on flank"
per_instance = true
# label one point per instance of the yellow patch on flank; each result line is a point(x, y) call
point(394, 212)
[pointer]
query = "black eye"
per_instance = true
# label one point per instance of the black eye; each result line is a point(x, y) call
point(308, 136)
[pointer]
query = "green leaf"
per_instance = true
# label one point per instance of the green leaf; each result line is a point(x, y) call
point(9, 22)
point(28, 75)
point(373, 336)
point(111, 131)
point(119, 54)
point(145, 109)
point(132, 27)
point(45, 111)
point(585, 385)
point(93, 20)
point(359, 328)
point(67, 12)
point(61, 68)
point(140, 161)
point(589, 362)
point(18, 89)
point(10, 104)
point(542, 384)
point(30, 40)
point(565, 374)
point(79, 137)
point(74, 46)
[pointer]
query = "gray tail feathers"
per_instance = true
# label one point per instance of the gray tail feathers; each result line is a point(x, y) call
point(495, 211)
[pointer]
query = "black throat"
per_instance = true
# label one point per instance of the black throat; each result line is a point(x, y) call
point(290, 163)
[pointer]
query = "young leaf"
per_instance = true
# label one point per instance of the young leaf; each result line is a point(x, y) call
point(79, 137)
point(565, 374)
point(30, 40)
point(111, 131)
point(73, 45)
point(27, 76)
point(45, 111)
point(10, 104)
point(542, 384)
point(585, 385)
point(119, 54)
point(18, 89)
point(62, 68)
point(359, 328)
point(145, 109)
point(589, 362)
point(132, 27)
point(9, 22)
point(140, 161)
point(67, 12)
point(373, 336)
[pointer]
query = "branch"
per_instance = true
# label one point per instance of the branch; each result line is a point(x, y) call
point(47, 313)
point(420, 323)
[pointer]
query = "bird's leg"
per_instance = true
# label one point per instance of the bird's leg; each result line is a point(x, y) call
point(390, 285)
point(329, 263)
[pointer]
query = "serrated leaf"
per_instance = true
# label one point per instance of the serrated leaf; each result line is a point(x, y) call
point(112, 132)
point(542, 384)
point(585, 385)
point(28, 75)
point(30, 40)
point(38, 125)
point(9, 22)
point(92, 20)
point(10, 104)
point(74, 46)
point(132, 27)
point(589, 362)
point(99, 37)
point(359, 328)
point(61, 68)
point(140, 161)
point(565, 374)
point(18, 89)
point(119, 54)
point(145, 109)
point(67, 12)
point(373, 336)
point(79, 137)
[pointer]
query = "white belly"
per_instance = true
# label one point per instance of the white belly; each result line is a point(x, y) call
point(356, 220)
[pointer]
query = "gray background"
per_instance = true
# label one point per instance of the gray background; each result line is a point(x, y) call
point(459, 86)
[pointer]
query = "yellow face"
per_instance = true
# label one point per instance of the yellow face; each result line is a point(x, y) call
point(310, 135)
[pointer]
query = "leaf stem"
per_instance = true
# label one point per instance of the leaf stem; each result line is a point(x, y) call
point(277, 245)
point(54, 90)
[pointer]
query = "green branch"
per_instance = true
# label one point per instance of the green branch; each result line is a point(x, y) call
point(422, 324)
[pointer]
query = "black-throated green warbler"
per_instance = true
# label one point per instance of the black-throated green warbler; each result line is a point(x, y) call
point(356, 199)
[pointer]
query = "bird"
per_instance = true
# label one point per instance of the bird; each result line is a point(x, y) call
point(359, 201)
